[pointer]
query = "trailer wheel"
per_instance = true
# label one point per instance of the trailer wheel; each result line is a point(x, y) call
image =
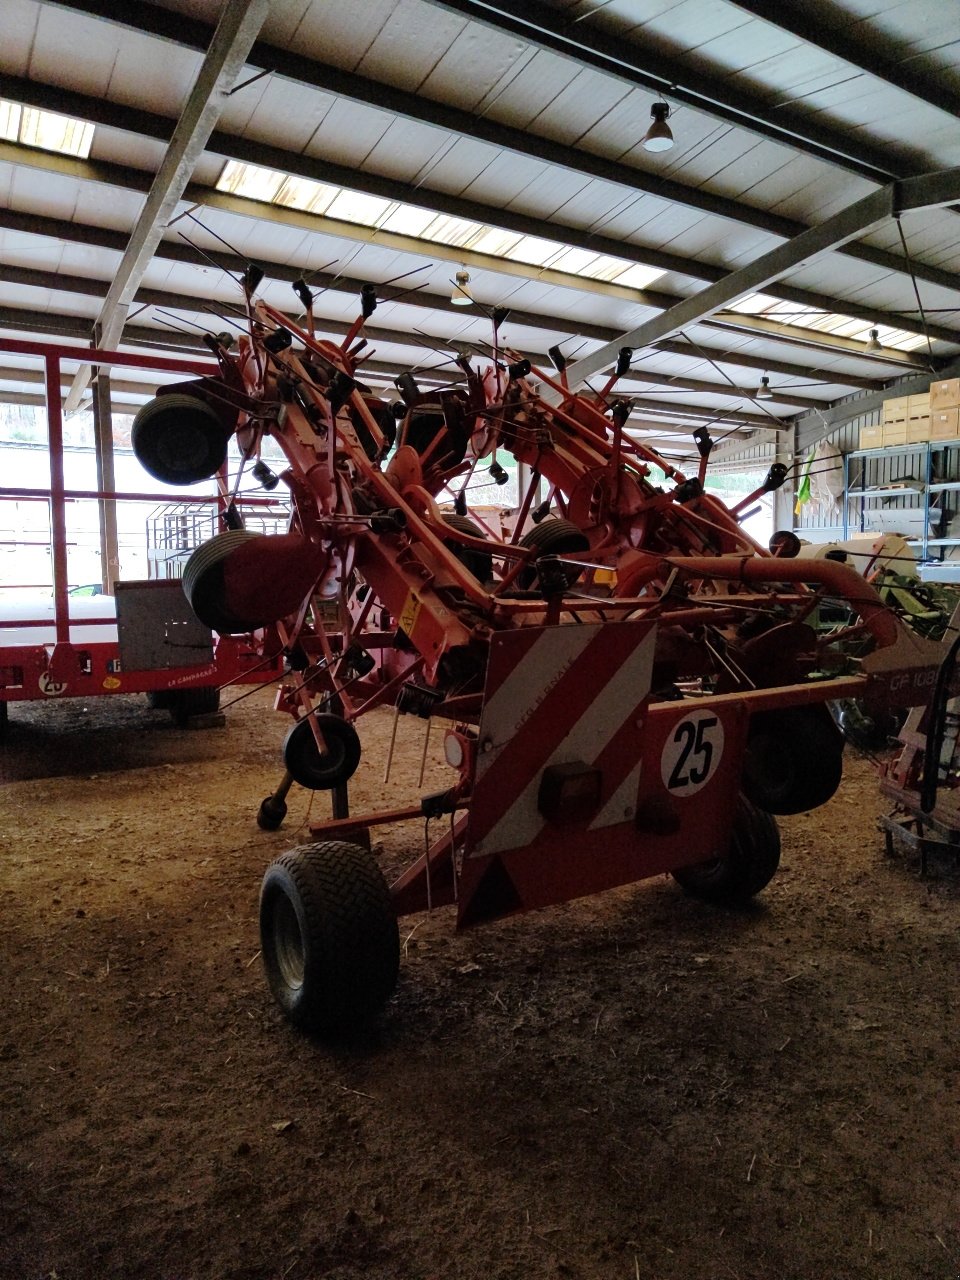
point(316, 770)
point(745, 869)
point(184, 703)
point(794, 759)
point(203, 583)
point(480, 563)
point(553, 537)
point(158, 699)
point(328, 932)
point(179, 439)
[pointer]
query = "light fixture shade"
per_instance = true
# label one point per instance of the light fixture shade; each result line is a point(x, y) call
point(460, 295)
point(873, 342)
point(763, 391)
point(659, 136)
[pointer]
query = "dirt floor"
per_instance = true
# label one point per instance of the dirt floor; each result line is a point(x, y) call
point(634, 1086)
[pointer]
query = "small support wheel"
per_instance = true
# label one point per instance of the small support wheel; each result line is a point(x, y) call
point(747, 867)
point(322, 770)
point(271, 814)
point(329, 937)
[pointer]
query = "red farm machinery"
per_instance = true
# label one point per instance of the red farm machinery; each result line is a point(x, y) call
point(629, 684)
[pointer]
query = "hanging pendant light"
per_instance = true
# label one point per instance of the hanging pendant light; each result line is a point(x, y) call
point(659, 137)
point(763, 391)
point(460, 294)
point(873, 342)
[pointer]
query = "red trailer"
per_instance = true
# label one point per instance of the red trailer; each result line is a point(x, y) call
point(145, 639)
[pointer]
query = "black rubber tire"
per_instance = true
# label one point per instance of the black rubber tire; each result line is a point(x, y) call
point(271, 814)
point(158, 699)
point(425, 425)
point(793, 761)
point(329, 937)
point(316, 771)
point(553, 537)
point(480, 563)
point(184, 703)
point(179, 439)
point(745, 869)
point(203, 583)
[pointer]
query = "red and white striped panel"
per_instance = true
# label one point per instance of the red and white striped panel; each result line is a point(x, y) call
point(555, 695)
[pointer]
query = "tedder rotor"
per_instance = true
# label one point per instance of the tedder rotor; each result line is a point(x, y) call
point(630, 684)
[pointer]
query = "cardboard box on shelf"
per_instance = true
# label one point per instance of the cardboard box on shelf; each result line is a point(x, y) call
point(896, 410)
point(871, 437)
point(945, 424)
point(918, 430)
point(918, 406)
point(945, 394)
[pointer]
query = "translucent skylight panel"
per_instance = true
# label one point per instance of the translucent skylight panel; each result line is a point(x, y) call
point(534, 250)
point(754, 303)
point(258, 183)
point(638, 276)
point(356, 206)
point(54, 132)
point(577, 261)
point(408, 220)
point(606, 268)
point(804, 317)
point(251, 181)
point(494, 241)
point(446, 229)
point(303, 193)
point(45, 129)
point(845, 326)
point(10, 113)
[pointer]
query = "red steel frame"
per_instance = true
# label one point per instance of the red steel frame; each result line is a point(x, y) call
point(87, 669)
point(682, 563)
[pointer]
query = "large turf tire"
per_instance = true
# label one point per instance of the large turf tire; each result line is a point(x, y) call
point(553, 537)
point(328, 932)
point(179, 439)
point(793, 761)
point(747, 867)
point(480, 563)
point(184, 703)
point(203, 583)
point(322, 770)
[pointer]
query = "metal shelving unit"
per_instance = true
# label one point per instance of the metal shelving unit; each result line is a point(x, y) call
point(937, 462)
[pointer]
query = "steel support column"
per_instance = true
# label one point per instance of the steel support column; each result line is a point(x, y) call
point(106, 479)
point(238, 28)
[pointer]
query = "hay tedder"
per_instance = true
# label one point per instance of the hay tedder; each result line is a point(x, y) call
point(630, 685)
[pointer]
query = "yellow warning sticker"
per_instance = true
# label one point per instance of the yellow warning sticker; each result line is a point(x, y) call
point(111, 682)
point(411, 611)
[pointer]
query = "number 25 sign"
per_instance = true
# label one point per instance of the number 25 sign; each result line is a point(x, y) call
point(691, 753)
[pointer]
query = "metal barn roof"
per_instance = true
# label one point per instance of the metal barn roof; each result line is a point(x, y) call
point(404, 140)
